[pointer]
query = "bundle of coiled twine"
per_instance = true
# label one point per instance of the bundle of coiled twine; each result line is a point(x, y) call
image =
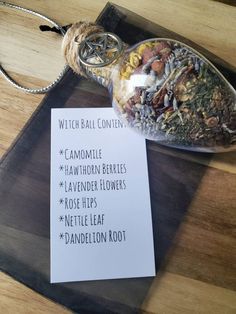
point(72, 39)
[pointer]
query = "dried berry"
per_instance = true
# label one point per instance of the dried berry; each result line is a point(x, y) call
point(160, 46)
point(148, 53)
point(137, 95)
point(158, 67)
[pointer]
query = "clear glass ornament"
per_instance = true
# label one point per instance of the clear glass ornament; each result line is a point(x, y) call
point(165, 90)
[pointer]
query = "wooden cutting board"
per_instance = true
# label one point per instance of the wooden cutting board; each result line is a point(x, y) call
point(193, 205)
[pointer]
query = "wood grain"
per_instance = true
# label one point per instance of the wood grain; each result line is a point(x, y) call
point(17, 298)
point(177, 294)
point(15, 109)
point(204, 244)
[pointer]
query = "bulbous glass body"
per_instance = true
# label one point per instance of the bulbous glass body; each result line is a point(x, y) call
point(171, 94)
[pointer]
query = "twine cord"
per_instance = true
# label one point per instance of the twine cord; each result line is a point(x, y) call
point(72, 39)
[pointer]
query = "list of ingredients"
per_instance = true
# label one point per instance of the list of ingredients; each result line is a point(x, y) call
point(101, 225)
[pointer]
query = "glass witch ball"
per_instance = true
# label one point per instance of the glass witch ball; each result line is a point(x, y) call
point(163, 89)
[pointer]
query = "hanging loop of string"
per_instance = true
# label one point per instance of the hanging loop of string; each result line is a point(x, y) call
point(60, 30)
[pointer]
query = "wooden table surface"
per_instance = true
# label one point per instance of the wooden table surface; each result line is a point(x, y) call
point(34, 59)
